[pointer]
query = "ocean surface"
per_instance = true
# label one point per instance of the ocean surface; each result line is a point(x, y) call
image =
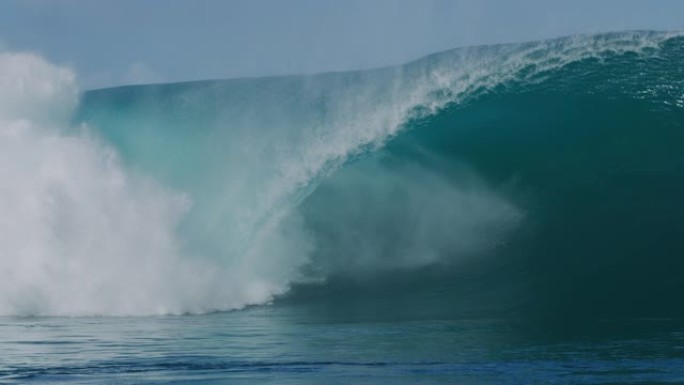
point(292, 345)
point(500, 214)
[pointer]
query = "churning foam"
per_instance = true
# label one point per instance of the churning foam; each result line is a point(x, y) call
point(79, 235)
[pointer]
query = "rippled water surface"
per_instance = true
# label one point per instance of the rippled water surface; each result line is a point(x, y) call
point(292, 346)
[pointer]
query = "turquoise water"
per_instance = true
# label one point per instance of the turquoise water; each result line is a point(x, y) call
point(501, 214)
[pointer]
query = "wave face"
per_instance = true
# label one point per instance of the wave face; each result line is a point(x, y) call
point(533, 178)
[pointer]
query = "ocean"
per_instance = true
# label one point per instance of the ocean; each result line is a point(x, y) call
point(498, 214)
point(293, 345)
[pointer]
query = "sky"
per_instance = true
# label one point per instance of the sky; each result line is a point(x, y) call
point(117, 42)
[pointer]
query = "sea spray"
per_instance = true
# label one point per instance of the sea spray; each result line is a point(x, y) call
point(80, 234)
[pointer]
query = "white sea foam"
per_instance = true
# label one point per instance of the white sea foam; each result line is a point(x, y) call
point(79, 235)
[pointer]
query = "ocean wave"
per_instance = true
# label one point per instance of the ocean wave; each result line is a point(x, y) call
point(530, 162)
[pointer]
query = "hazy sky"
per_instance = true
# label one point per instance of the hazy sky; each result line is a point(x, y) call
point(137, 41)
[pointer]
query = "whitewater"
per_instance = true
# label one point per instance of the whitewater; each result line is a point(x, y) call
point(216, 195)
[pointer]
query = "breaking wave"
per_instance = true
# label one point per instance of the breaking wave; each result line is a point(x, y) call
point(534, 176)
